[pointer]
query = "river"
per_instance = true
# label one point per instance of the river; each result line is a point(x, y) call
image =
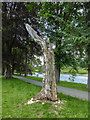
point(65, 77)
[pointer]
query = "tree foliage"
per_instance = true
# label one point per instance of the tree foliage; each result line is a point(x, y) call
point(18, 49)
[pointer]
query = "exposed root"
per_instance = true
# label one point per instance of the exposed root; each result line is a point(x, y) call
point(41, 96)
point(47, 97)
point(43, 101)
point(32, 101)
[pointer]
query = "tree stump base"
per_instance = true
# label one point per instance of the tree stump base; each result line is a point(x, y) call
point(44, 101)
point(48, 95)
point(49, 88)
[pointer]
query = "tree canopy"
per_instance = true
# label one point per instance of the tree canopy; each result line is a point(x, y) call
point(64, 23)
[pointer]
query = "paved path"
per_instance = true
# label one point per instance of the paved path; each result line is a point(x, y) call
point(68, 91)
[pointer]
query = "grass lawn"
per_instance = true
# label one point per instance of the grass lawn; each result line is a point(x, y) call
point(78, 86)
point(16, 92)
point(80, 71)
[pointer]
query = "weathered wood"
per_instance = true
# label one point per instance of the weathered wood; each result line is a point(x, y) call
point(49, 89)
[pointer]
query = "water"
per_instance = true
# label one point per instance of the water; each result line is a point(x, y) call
point(65, 77)
point(78, 78)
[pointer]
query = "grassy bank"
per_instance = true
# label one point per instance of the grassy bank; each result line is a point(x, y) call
point(80, 71)
point(77, 86)
point(67, 71)
point(16, 92)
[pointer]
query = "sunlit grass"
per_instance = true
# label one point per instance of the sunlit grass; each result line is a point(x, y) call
point(16, 92)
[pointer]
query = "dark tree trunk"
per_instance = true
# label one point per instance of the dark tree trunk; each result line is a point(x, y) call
point(26, 65)
point(8, 72)
point(26, 70)
point(12, 69)
point(57, 59)
point(20, 73)
point(88, 83)
point(87, 6)
point(57, 55)
point(49, 89)
point(57, 73)
point(3, 70)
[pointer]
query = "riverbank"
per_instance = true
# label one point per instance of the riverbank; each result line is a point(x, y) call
point(81, 71)
point(86, 75)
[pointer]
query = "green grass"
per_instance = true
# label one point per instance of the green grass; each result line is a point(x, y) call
point(80, 70)
point(1, 76)
point(16, 92)
point(77, 86)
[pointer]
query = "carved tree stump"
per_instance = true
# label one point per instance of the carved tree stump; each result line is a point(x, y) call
point(49, 89)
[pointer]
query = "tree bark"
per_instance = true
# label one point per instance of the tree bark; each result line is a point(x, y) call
point(49, 89)
point(87, 6)
point(8, 72)
point(88, 82)
point(3, 70)
point(57, 56)
point(20, 73)
point(26, 65)
point(57, 71)
point(13, 69)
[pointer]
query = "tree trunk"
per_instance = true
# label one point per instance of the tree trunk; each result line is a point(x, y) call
point(25, 71)
point(87, 6)
point(3, 70)
point(26, 65)
point(12, 69)
point(88, 83)
point(49, 89)
point(57, 71)
point(57, 56)
point(20, 73)
point(8, 72)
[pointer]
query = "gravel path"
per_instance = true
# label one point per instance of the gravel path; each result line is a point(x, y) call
point(68, 91)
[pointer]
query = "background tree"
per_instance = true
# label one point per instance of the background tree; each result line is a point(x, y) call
point(15, 37)
point(87, 5)
point(59, 20)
